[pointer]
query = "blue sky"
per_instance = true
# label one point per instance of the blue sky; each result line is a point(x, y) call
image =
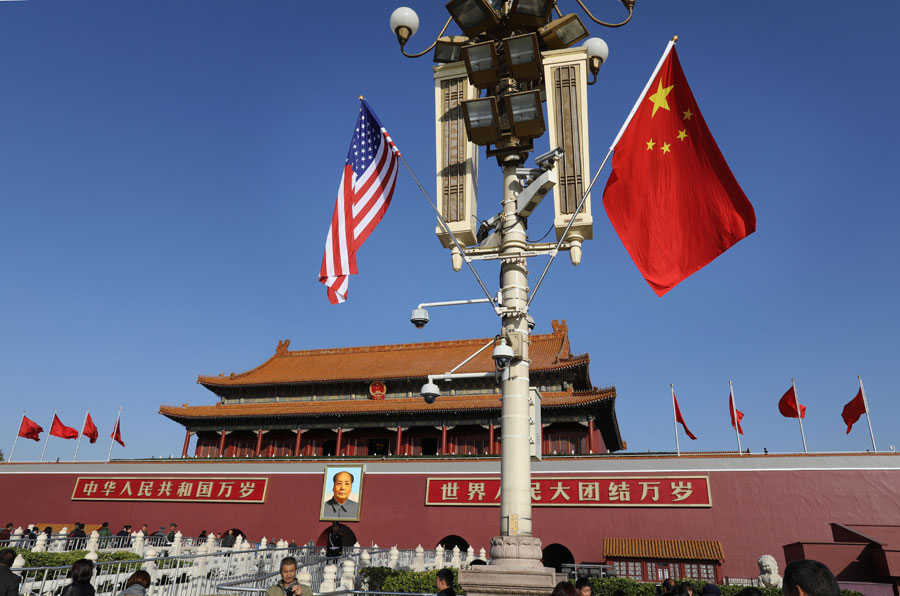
point(168, 172)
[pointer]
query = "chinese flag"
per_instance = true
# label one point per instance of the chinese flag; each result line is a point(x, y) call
point(671, 196)
point(58, 429)
point(855, 408)
point(787, 405)
point(680, 419)
point(117, 434)
point(90, 430)
point(29, 429)
point(736, 415)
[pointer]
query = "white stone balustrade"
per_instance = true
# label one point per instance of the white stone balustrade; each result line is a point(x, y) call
point(454, 560)
point(328, 575)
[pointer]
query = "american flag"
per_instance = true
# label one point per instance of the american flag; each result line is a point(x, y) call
point(367, 184)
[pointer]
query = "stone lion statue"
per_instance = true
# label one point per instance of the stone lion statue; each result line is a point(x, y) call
point(768, 572)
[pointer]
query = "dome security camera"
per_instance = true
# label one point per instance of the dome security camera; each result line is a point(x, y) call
point(419, 317)
point(502, 355)
point(430, 392)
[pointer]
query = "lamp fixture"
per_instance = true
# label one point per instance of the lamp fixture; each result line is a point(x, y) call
point(530, 13)
point(482, 120)
point(449, 48)
point(563, 32)
point(474, 17)
point(525, 113)
point(404, 23)
point(523, 57)
point(482, 64)
point(597, 52)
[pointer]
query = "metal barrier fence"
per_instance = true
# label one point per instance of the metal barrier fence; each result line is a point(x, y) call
point(183, 575)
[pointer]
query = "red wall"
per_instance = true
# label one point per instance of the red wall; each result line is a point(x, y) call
point(752, 513)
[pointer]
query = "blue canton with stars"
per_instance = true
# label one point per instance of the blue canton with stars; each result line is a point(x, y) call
point(366, 140)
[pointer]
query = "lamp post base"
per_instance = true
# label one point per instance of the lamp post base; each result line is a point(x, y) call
point(515, 569)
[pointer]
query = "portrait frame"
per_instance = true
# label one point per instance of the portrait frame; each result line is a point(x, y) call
point(329, 507)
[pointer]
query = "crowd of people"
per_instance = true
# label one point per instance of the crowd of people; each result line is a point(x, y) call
point(801, 578)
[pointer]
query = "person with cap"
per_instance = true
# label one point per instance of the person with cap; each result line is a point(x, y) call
point(710, 590)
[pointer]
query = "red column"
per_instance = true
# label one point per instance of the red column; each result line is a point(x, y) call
point(443, 439)
point(399, 449)
point(591, 435)
point(187, 442)
point(259, 435)
point(491, 439)
point(337, 448)
point(222, 434)
point(297, 442)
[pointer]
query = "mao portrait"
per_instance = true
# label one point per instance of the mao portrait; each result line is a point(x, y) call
point(341, 493)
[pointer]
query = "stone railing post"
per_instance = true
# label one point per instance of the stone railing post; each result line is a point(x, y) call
point(454, 560)
point(328, 575)
point(419, 559)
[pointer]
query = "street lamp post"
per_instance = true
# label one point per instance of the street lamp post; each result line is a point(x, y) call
point(500, 48)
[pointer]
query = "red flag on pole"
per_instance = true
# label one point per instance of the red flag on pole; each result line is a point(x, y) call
point(855, 408)
point(680, 419)
point(117, 434)
point(58, 429)
point(736, 415)
point(29, 429)
point(90, 430)
point(671, 196)
point(787, 405)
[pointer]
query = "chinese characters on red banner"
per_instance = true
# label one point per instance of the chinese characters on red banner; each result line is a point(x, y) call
point(631, 491)
point(213, 490)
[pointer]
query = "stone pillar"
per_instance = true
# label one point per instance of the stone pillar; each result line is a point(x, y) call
point(443, 439)
point(590, 440)
point(297, 442)
point(259, 436)
point(187, 443)
point(222, 434)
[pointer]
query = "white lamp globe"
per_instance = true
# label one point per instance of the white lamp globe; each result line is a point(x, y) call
point(405, 17)
point(597, 48)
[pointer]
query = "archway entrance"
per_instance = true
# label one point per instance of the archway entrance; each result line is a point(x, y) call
point(448, 542)
point(556, 555)
point(345, 532)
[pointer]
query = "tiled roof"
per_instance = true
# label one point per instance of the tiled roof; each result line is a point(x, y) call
point(346, 407)
point(641, 548)
point(399, 361)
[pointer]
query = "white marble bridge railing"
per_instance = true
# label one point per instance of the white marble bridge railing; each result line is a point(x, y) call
point(240, 570)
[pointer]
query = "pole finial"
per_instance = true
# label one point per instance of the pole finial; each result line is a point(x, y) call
point(362, 98)
point(674, 39)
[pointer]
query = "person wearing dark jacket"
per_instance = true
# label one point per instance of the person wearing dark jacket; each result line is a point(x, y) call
point(9, 581)
point(335, 546)
point(81, 573)
point(228, 539)
point(443, 581)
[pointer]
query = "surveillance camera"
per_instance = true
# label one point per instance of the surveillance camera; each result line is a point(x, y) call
point(419, 317)
point(430, 392)
point(546, 161)
point(502, 355)
point(530, 321)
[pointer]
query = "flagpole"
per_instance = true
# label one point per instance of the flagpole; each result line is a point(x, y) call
point(734, 414)
point(111, 439)
point(16, 440)
point(47, 440)
point(78, 443)
point(799, 414)
point(675, 420)
point(868, 418)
